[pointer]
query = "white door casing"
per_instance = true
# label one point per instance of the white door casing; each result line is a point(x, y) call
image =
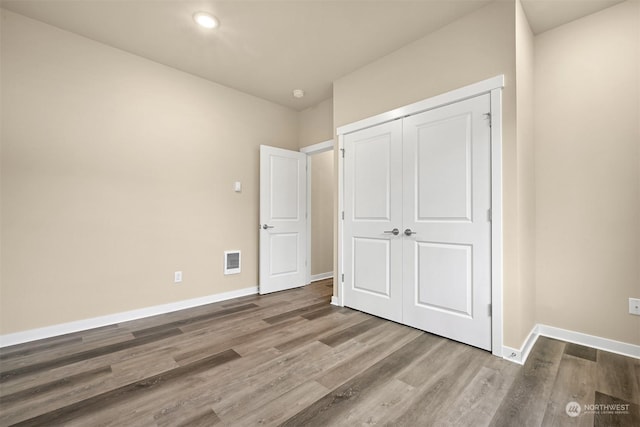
point(283, 229)
point(373, 209)
point(447, 201)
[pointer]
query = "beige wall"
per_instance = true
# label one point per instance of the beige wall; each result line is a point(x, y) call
point(587, 137)
point(476, 47)
point(316, 123)
point(322, 213)
point(521, 294)
point(116, 172)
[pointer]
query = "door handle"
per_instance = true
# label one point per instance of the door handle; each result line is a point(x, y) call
point(265, 226)
point(395, 232)
point(408, 232)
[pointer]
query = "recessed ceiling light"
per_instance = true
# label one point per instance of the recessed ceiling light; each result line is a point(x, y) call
point(206, 20)
point(298, 93)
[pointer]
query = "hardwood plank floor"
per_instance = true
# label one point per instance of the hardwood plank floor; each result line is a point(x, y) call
point(292, 359)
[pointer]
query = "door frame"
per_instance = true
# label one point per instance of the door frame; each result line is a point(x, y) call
point(492, 86)
point(310, 150)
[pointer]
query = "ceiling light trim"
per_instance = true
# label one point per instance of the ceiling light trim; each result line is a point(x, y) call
point(206, 20)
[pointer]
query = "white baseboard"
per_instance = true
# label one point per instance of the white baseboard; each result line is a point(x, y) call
point(334, 301)
point(612, 346)
point(321, 276)
point(520, 355)
point(96, 322)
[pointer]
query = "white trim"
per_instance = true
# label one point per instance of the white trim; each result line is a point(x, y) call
point(520, 355)
point(493, 86)
point(497, 320)
point(318, 148)
point(307, 262)
point(110, 319)
point(469, 91)
point(612, 346)
point(310, 150)
point(340, 285)
point(334, 301)
point(321, 276)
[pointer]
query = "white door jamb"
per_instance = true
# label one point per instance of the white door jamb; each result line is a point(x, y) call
point(310, 150)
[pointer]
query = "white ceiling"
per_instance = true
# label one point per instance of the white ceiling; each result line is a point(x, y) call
point(268, 48)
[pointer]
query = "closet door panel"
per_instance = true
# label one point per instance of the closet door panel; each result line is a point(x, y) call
point(446, 176)
point(373, 208)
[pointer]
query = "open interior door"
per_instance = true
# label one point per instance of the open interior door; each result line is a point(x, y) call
point(283, 217)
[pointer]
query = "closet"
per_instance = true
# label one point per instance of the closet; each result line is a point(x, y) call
point(417, 220)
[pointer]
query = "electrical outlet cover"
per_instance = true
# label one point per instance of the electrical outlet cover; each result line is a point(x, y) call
point(634, 306)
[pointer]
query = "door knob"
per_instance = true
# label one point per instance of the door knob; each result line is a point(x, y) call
point(408, 232)
point(264, 227)
point(395, 232)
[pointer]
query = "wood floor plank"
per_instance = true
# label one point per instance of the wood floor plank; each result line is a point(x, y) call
point(331, 407)
point(287, 405)
point(433, 398)
point(614, 412)
point(66, 382)
point(581, 351)
point(536, 378)
point(84, 355)
point(575, 382)
point(616, 377)
point(297, 312)
point(345, 335)
point(183, 322)
point(127, 392)
point(478, 402)
point(198, 353)
point(381, 406)
point(23, 350)
point(206, 419)
point(390, 338)
point(196, 396)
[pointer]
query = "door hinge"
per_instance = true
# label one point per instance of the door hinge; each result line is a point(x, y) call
point(489, 215)
point(342, 151)
point(488, 117)
point(342, 277)
point(490, 311)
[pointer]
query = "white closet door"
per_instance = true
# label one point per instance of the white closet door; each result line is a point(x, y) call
point(373, 209)
point(447, 262)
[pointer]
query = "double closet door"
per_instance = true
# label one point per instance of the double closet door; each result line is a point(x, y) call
point(417, 224)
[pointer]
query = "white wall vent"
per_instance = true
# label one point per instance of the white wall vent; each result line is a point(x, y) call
point(231, 262)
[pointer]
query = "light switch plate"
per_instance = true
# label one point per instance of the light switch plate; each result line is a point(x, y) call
point(634, 306)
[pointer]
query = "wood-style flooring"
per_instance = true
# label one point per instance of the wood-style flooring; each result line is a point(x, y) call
point(292, 359)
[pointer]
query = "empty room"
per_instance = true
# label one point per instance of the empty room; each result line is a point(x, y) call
point(320, 213)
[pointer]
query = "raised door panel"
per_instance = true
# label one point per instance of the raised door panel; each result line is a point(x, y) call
point(443, 164)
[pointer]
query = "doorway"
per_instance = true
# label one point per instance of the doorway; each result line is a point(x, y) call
point(320, 208)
